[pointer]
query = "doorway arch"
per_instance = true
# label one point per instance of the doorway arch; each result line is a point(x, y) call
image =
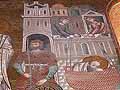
point(42, 37)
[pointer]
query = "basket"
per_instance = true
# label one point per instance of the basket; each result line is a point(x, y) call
point(99, 80)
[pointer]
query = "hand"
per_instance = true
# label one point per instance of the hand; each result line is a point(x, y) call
point(41, 82)
point(26, 75)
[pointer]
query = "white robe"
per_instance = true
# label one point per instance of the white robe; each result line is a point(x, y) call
point(6, 51)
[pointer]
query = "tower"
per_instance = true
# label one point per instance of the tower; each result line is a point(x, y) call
point(36, 20)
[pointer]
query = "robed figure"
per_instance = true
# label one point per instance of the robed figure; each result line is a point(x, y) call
point(36, 67)
point(6, 51)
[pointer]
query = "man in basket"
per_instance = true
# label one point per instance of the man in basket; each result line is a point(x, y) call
point(95, 63)
point(95, 73)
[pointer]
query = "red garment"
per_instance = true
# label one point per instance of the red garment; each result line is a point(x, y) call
point(38, 73)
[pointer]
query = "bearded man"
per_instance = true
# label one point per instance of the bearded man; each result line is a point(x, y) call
point(36, 68)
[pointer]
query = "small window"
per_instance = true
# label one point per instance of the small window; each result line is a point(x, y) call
point(85, 48)
point(58, 12)
point(37, 23)
point(28, 23)
point(63, 12)
point(45, 23)
point(77, 25)
point(66, 48)
point(53, 12)
point(45, 12)
point(28, 12)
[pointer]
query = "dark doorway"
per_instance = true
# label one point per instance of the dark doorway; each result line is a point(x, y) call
point(41, 37)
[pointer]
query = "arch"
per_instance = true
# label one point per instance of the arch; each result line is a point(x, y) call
point(24, 47)
point(44, 38)
point(30, 33)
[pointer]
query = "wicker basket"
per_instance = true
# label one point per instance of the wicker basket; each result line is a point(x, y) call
point(102, 80)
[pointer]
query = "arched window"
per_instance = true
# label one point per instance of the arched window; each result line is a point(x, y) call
point(45, 23)
point(63, 12)
point(66, 48)
point(85, 48)
point(28, 12)
point(45, 12)
point(58, 12)
point(28, 23)
point(77, 24)
point(53, 12)
point(37, 23)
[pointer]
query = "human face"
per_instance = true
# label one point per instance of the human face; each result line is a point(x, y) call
point(94, 64)
point(36, 44)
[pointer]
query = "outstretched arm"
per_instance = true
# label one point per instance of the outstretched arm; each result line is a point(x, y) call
point(19, 68)
point(52, 70)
